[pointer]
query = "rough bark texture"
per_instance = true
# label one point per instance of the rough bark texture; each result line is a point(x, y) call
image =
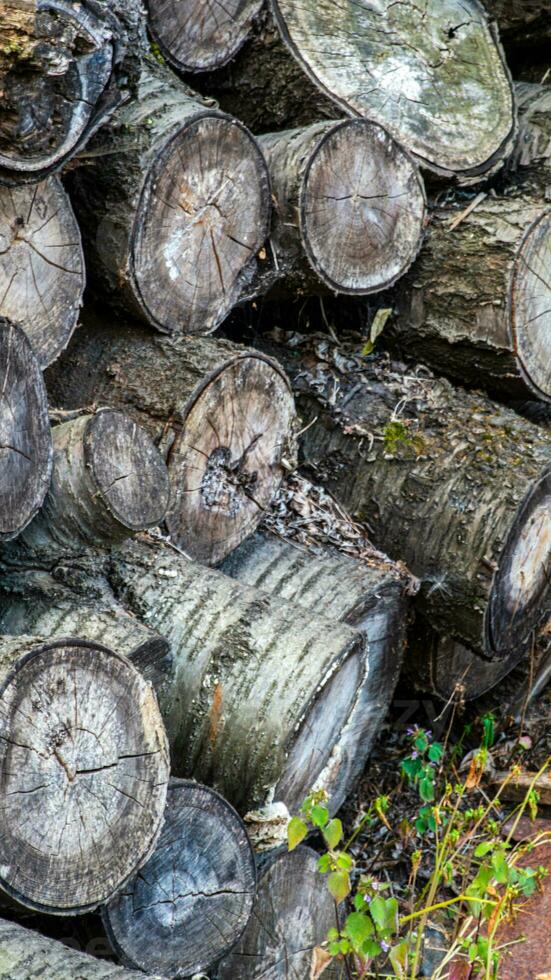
point(84, 766)
point(433, 75)
point(531, 158)
point(25, 438)
point(449, 482)
point(521, 21)
point(223, 415)
point(41, 265)
point(199, 37)
point(174, 204)
point(190, 903)
point(349, 209)
point(266, 701)
point(291, 917)
point(64, 68)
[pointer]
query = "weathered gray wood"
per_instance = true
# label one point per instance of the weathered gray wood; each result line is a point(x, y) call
point(223, 415)
point(477, 303)
point(84, 764)
point(292, 915)
point(349, 209)
point(531, 158)
point(432, 74)
point(197, 37)
point(190, 903)
point(521, 22)
point(25, 439)
point(41, 265)
point(174, 203)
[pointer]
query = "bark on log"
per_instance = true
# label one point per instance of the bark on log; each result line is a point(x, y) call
point(477, 304)
point(433, 76)
point(452, 484)
point(532, 154)
point(224, 416)
point(266, 701)
point(25, 437)
point(196, 37)
point(174, 203)
point(349, 209)
point(64, 68)
point(521, 22)
point(41, 265)
point(84, 764)
point(292, 915)
point(190, 903)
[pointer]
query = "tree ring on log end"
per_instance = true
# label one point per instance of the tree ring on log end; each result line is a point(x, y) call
point(128, 470)
point(432, 74)
point(362, 208)
point(85, 766)
point(192, 900)
point(227, 462)
point(531, 306)
point(200, 37)
point(521, 591)
point(41, 265)
point(26, 453)
point(49, 95)
point(209, 192)
point(319, 755)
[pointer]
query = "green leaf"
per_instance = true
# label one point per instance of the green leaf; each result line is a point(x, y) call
point(296, 832)
point(338, 884)
point(398, 956)
point(345, 862)
point(333, 834)
point(344, 946)
point(377, 910)
point(436, 751)
point(324, 863)
point(359, 902)
point(421, 742)
point(370, 949)
point(332, 935)
point(426, 789)
point(411, 767)
point(484, 848)
point(500, 867)
point(319, 816)
point(334, 949)
point(358, 927)
point(421, 825)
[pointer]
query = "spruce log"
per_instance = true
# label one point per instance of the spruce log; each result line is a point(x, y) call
point(349, 209)
point(449, 482)
point(477, 304)
point(266, 701)
point(196, 37)
point(84, 765)
point(190, 903)
point(64, 68)
point(25, 437)
point(41, 265)
point(224, 416)
point(292, 915)
point(521, 22)
point(433, 75)
point(174, 204)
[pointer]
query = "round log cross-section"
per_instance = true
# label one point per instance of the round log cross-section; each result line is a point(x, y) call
point(41, 265)
point(25, 436)
point(190, 903)
point(196, 37)
point(84, 772)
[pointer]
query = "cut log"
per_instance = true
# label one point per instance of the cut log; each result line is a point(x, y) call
point(41, 265)
point(292, 915)
point(532, 154)
point(224, 416)
point(64, 68)
point(195, 37)
point(25, 437)
point(84, 765)
point(266, 701)
point(452, 484)
point(433, 75)
point(190, 903)
point(521, 22)
point(174, 203)
point(349, 209)
point(477, 304)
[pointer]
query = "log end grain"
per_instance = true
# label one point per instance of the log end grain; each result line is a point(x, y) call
point(531, 306)
point(197, 38)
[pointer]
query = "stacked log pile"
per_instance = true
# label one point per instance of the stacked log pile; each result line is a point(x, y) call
point(193, 636)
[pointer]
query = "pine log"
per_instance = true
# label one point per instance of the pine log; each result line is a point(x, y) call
point(190, 903)
point(292, 915)
point(197, 37)
point(64, 68)
point(451, 483)
point(174, 203)
point(521, 22)
point(433, 75)
point(25, 438)
point(224, 416)
point(41, 265)
point(84, 765)
point(477, 304)
point(349, 209)
point(266, 701)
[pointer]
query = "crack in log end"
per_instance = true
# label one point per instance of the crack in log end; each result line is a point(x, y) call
point(531, 305)
point(199, 38)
